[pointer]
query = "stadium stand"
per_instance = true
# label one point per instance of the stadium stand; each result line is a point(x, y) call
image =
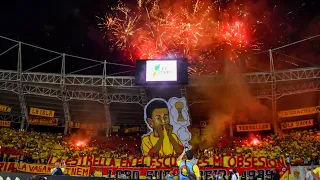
point(27, 146)
point(61, 102)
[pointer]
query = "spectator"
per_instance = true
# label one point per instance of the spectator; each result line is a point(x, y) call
point(276, 175)
point(187, 168)
point(232, 175)
point(37, 178)
point(309, 175)
point(59, 169)
point(236, 173)
point(299, 148)
point(169, 176)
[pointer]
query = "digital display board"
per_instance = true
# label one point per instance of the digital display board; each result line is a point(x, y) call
point(156, 72)
point(165, 70)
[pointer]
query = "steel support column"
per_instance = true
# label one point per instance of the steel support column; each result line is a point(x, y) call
point(144, 96)
point(273, 93)
point(22, 100)
point(184, 93)
point(318, 108)
point(144, 100)
point(64, 98)
point(106, 101)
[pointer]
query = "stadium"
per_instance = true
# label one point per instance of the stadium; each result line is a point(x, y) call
point(114, 105)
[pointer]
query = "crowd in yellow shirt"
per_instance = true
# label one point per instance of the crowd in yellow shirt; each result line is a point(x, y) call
point(33, 147)
point(299, 148)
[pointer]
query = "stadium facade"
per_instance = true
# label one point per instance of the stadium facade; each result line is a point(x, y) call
point(116, 99)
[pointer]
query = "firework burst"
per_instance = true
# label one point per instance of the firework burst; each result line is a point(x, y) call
point(196, 30)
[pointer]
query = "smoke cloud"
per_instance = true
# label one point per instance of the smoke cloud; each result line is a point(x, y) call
point(230, 100)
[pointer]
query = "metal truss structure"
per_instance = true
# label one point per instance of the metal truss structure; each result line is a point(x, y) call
point(129, 82)
point(63, 94)
point(23, 105)
point(58, 86)
point(12, 118)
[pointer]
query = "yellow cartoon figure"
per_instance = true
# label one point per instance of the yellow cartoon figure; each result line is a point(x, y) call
point(161, 141)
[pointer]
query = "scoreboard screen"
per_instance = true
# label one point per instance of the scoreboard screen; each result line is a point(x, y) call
point(162, 72)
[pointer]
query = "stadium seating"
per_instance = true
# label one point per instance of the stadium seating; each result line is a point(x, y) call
point(299, 148)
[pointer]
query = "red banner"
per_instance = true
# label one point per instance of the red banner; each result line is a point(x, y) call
point(43, 121)
point(41, 168)
point(81, 125)
point(137, 173)
point(226, 161)
point(206, 173)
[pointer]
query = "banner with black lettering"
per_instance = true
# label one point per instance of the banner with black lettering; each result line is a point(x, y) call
point(130, 173)
point(206, 173)
point(297, 124)
point(91, 126)
point(115, 128)
point(36, 120)
point(4, 108)
point(5, 123)
point(134, 129)
point(253, 127)
point(41, 112)
point(298, 112)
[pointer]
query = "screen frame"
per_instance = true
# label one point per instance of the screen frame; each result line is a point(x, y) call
point(182, 73)
point(171, 62)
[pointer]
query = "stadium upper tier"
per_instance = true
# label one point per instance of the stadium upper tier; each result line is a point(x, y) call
point(85, 94)
point(90, 97)
point(129, 81)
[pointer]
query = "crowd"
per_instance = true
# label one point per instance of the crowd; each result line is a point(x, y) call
point(299, 148)
point(33, 147)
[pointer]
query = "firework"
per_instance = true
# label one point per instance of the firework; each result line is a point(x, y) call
point(157, 29)
point(205, 33)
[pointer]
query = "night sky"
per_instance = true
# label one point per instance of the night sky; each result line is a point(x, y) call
point(70, 26)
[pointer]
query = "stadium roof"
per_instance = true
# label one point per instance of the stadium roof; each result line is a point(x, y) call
point(88, 96)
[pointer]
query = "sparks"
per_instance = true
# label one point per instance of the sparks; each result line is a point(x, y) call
point(195, 30)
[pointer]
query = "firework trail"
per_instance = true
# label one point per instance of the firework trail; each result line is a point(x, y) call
point(206, 33)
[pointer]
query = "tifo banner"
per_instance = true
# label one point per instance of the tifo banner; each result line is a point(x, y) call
point(253, 127)
point(297, 124)
point(226, 161)
point(206, 173)
point(43, 121)
point(5, 123)
point(24, 176)
point(298, 112)
point(41, 112)
point(4, 108)
point(139, 173)
point(168, 120)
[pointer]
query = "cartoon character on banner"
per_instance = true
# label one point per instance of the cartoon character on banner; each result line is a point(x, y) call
point(162, 140)
point(180, 119)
